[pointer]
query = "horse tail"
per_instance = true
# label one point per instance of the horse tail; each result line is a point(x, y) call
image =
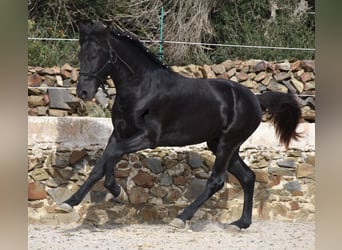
point(286, 113)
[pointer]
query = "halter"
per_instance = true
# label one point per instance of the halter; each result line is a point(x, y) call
point(113, 57)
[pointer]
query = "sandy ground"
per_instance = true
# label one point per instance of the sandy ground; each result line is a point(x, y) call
point(199, 235)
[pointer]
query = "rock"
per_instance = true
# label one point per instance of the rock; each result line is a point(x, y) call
point(57, 112)
point(241, 76)
point(59, 80)
point(101, 98)
point(173, 195)
point(66, 67)
point(195, 188)
point(59, 99)
point(292, 186)
point(261, 175)
point(287, 163)
point(165, 179)
point(275, 86)
point(176, 170)
point(34, 80)
point(36, 191)
point(309, 85)
point(305, 170)
point(159, 191)
point(154, 164)
point(297, 84)
point(138, 195)
point(143, 179)
point(35, 100)
point(42, 110)
point(284, 66)
point(307, 76)
point(231, 72)
point(194, 160)
point(218, 69)
point(260, 66)
point(207, 72)
point(179, 180)
point(249, 84)
point(39, 174)
point(308, 65)
point(282, 76)
point(59, 194)
point(76, 156)
point(289, 86)
point(295, 66)
point(260, 76)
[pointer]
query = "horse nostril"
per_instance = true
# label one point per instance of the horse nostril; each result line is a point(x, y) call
point(82, 94)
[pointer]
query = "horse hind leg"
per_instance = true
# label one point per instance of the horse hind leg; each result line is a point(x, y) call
point(246, 177)
point(215, 182)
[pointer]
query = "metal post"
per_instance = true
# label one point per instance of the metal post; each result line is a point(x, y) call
point(161, 33)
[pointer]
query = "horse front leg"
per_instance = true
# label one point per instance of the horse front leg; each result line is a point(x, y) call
point(105, 166)
point(95, 175)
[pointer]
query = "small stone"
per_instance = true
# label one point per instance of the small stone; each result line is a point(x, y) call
point(195, 188)
point(35, 100)
point(281, 76)
point(297, 84)
point(307, 76)
point(57, 112)
point(308, 65)
point(36, 191)
point(159, 191)
point(285, 66)
point(260, 76)
point(261, 175)
point(292, 186)
point(138, 195)
point(179, 180)
point(143, 179)
point(275, 86)
point(173, 195)
point(154, 164)
point(218, 69)
point(194, 160)
point(241, 76)
point(34, 80)
point(260, 66)
point(39, 174)
point(76, 156)
point(287, 163)
point(59, 194)
point(305, 170)
point(165, 179)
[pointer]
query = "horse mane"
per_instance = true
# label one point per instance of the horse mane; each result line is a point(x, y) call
point(128, 37)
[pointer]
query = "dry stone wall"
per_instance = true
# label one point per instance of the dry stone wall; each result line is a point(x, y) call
point(286, 76)
point(161, 182)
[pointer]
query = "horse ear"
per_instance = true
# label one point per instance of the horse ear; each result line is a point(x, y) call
point(84, 24)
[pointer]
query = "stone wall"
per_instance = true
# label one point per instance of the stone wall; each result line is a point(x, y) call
point(161, 182)
point(258, 75)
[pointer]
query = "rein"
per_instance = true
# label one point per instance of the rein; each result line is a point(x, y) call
point(113, 58)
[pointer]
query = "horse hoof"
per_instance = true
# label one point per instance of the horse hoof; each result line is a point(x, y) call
point(64, 207)
point(122, 197)
point(177, 223)
point(232, 228)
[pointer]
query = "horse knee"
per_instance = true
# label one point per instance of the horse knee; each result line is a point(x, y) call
point(215, 183)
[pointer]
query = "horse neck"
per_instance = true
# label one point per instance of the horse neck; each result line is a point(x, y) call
point(131, 63)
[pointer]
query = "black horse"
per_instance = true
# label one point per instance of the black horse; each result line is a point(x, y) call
point(155, 106)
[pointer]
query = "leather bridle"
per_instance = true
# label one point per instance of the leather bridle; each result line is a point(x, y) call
point(113, 57)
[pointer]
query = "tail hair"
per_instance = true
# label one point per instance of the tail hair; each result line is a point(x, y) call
point(286, 114)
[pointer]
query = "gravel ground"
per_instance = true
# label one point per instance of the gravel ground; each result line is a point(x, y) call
point(199, 235)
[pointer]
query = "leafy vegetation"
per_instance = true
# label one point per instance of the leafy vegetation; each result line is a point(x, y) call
point(288, 23)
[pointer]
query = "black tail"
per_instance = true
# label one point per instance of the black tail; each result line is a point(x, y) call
point(286, 113)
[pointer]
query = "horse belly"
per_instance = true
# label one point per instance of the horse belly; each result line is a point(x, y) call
point(190, 128)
